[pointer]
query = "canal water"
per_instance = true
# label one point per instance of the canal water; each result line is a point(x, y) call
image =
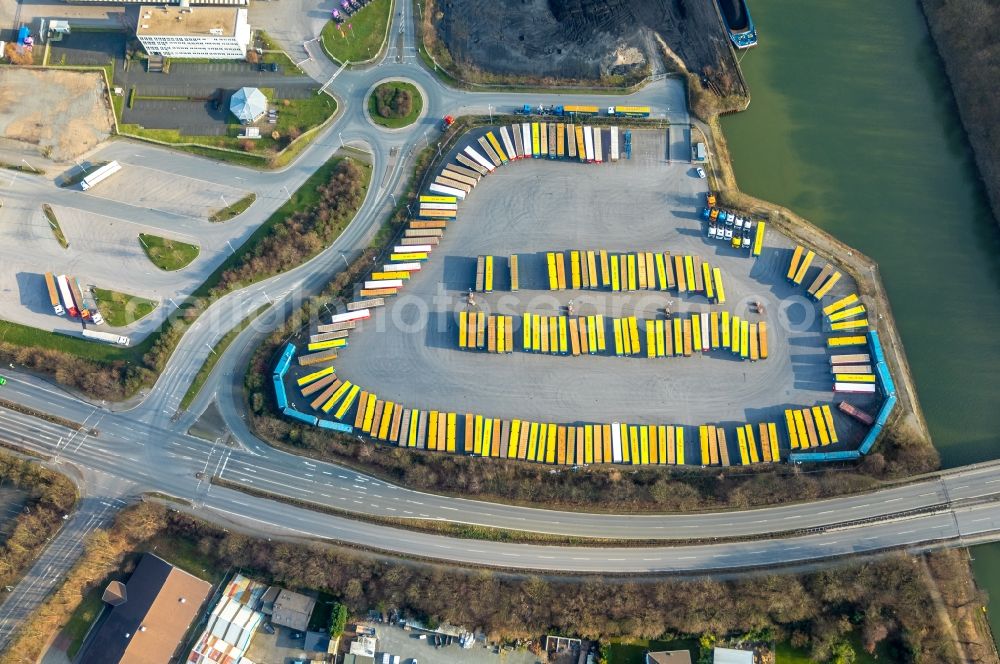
point(852, 125)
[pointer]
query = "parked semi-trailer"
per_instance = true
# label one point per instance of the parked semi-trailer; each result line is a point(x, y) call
point(74, 287)
point(50, 283)
point(629, 111)
point(67, 295)
point(107, 337)
point(102, 173)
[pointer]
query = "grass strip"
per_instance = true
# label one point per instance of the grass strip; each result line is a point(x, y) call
point(121, 309)
point(22, 168)
point(54, 419)
point(234, 210)
point(27, 451)
point(168, 255)
point(54, 225)
point(213, 357)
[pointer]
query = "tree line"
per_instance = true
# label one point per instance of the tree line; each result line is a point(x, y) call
point(49, 496)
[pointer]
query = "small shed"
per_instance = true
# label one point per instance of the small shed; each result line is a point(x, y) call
point(248, 105)
point(700, 153)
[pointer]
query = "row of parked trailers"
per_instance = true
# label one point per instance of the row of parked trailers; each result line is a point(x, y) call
point(281, 396)
point(715, 450)
point(478, 435)
point(635, 271)
point(579, 335)
point(885, 384)
point(810, 427)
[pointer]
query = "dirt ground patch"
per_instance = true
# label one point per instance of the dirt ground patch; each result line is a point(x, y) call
point(62, 114)
point(581, 39)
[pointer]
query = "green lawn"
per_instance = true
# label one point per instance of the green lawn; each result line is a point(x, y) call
point(82, 618)
point(22, 335)
point(364, 39)
point(634, 651)
point(395, 123)
point(786, 654)
point(168, 255)
point(295, 117)
point(213, 357)
point(234, 210)
point(121, 309)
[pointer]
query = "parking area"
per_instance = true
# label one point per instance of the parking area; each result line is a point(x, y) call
point(411, 648)
point(167, 192)
point(408, 352)
point(190, 97)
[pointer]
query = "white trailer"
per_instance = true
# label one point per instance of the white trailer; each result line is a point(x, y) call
point(447, 191)
point(361, 314)
point(401, 267)
point(616, 442)
point(704, 333)
point(67, 295)
point(588, 143)
point(107, 337)
point(854, 388)
point(102, 173)
point(598, 147)
point(507, 144)
point(401, 249)
point(384, 283)
point(439, 206)
point(526, 137)
point(614, 144)
point(479, 159)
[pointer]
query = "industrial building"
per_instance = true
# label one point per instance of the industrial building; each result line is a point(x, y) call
point(219, 33)
point(150, 614)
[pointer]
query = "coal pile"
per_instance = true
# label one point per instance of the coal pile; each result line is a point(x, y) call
point(580, 39)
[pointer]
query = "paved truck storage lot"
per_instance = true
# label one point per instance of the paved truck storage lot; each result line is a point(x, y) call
point(409, 352)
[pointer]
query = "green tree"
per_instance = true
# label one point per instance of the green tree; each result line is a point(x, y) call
point(338, 620)
point(842, 652)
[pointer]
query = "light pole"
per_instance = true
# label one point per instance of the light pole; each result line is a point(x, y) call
point(439, 150)
point(393, 197)
point(346, 264)
point(490, 108)
point(231, 247)
point(223, 200)
point(287, 192)
point(341, 135)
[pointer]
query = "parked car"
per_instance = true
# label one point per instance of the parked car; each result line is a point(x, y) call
point(274, 66)
point(701, 173)
point(746, 237)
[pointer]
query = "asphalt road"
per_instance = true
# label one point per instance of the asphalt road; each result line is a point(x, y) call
point(144, 446)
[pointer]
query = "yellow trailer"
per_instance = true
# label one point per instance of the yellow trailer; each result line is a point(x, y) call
point(824, 436)
point(713, 329)
point(726, 338)
point(592, 268)
point(696, 331)
point(463, 322)
point(806, 262)
point(828, 419)
point(758, 239)
point(800, 429)
point(703, 440)
point(707, 274)
point(751, 444)
point(843, 302)
point(615, 283)
point(574, 266)
point(793, 266)
point(754, 348)
point(560, 140)
point(720, 291)
point(772, 434)
point(736, 337)
point(849, 324)
point(793, 436)
point(762, 333)
point(512, 262)
point(682, 283)
point(825, 288)
point(840, 342)
point(561, 270)
point(844, 314)
point(661, 271)
point(550, 261)
point(599, 324)
point(348, 401)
